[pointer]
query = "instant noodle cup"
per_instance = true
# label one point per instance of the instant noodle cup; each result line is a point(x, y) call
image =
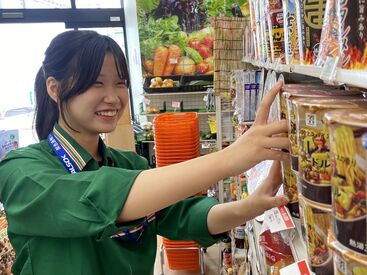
point(345, 261)
point(347, 129)
point(294, 91)
point(290, 32)
point(310, 16)
point(289, 178)
point(330, 44)
point(313, 142)
point(354, 34)
point(317, 222)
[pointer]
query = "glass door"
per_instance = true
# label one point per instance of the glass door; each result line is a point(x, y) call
point(26, 29)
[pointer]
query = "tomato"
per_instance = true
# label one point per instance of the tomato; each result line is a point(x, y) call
point(208, 41)
point(194, 43)
point(202, 67)
point(205, 51)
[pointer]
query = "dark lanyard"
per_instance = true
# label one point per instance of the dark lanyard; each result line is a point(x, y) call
point(61, 153)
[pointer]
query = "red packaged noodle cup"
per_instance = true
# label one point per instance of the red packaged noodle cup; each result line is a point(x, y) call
point(276, 25)
point(310, 16)
point(354, 34)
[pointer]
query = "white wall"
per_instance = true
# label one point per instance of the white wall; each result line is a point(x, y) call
point(133, 47)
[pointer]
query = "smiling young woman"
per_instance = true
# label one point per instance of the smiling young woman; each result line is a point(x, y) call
point(77, 206)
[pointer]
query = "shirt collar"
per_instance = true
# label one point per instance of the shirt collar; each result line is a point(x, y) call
point(78, 154)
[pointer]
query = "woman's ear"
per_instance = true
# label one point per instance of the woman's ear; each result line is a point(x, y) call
point(52, 88)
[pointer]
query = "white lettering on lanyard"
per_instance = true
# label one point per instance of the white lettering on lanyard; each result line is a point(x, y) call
point(68, 164)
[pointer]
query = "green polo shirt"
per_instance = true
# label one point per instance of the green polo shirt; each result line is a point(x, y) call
point(61, 223)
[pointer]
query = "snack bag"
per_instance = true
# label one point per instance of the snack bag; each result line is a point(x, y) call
point(291, 40)
point(330, 44)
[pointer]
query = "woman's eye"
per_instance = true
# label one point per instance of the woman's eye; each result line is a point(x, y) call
point(98, 83)
point(122, 84)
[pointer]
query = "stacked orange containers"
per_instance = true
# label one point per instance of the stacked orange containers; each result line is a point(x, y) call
point(177, 138)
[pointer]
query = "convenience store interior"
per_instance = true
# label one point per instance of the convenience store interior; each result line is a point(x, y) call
point(318, 50)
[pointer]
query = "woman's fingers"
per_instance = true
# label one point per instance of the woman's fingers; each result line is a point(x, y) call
point(263, 111)
point(275, 128)
point(277, 155)
point(277, 143)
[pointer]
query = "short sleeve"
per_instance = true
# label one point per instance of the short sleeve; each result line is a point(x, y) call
point(187, 220)
point(56, 204)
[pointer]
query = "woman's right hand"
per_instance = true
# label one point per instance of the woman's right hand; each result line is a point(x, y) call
point(261, 142)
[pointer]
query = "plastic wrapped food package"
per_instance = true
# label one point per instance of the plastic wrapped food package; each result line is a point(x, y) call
point(291, 40)
point(252, 6)
point(313, 146)
point(317, 222)
point(348, 150)
point(309, 25)
point(277, 251)
point(276, 25)
point(354, 34)
point(330, 43)
point(346, 262)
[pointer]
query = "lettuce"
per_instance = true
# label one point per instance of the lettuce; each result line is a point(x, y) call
point(163, 31)
point(147, 5)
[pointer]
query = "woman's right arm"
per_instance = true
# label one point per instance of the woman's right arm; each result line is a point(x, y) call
point(159, 188)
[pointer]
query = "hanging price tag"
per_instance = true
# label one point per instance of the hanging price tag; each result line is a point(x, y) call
point(298, 268)
point(328, 71)
point(205, 145)
point(278, 219)
point(175, 104)
point(146, 101)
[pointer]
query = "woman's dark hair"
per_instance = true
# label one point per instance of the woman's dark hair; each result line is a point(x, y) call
point(74, 59)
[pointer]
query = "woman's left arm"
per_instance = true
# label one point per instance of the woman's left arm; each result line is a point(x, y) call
point(225, 216)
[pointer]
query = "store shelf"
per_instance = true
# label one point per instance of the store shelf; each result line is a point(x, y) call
point(348, 77)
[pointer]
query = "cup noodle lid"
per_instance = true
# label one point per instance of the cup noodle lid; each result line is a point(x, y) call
point(355, 117)
point(327, 102)
point(316, 90)
point(313, 204)
point(346, 253)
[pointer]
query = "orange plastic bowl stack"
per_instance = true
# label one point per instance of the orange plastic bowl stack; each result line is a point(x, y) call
point(177, 139)
point(182, 255)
